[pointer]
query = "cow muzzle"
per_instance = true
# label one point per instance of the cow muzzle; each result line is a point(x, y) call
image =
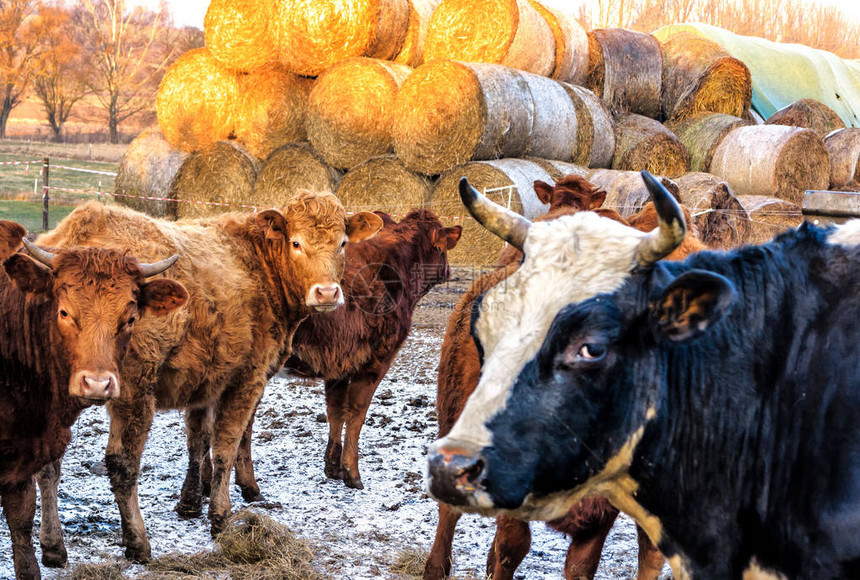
point(456, 476)
point(324, 297)
point(94, 386)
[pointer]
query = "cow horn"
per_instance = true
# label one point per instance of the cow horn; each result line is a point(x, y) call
point(41, 255)
point(508, 225)
point(671, 229)
point(158, 267)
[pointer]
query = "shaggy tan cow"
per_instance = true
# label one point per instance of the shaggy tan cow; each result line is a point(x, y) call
point(251, 279)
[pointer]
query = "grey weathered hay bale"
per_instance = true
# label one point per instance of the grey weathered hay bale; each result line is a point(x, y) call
point(292, 168)
point(844, 148)
point(384, 183)
point(447, 113)
point(772, 160)
point(699, 76)
point(508, 32)
point(222, 173)
point(571, 41)
point(625, 69)
point(719, 216)
point(809, 114)
point(625, 191)
point(147, 169)
point(350, 110)
point(769, 216)
point(701, 134)
point(558, 169)
point(643, 143)
point(236, 33)
point(595, 128)
point(420, 12)
point(509, 182)
point(753, 116)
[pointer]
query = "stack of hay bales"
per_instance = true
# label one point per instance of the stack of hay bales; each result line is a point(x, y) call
point(643, 143)
point(720, 218)
point(147, 169)
point(420, 12)
point(809, 114)
point(384, 183)
point(625, 191)
point(702, 133)
point(844, 148)
point(292, 168)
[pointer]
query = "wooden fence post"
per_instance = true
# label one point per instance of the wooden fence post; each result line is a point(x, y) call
point(46, 167)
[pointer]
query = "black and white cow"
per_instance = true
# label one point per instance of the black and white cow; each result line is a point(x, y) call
point(716, 401)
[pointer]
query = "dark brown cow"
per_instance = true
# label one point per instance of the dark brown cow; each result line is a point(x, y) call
point(65, 325)
point(251, 279)
point(589, 523)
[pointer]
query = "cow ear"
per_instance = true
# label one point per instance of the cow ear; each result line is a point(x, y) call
point(28, 275)
point(597, 199)
point(448, 237)
point(690, 305)
point(11, 234)
point(273, 223)
point(362, 225)
point(161, 296)
point(543, 191)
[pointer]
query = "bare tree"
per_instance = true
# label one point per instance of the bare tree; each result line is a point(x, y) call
point(20, 28)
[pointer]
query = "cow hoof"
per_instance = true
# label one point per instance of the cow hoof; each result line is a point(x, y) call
point(333, 472)
point(217, 524)
point(139, 555)
point(54, 558)
point(353, 482)
point(188, 511)
point(251, 494)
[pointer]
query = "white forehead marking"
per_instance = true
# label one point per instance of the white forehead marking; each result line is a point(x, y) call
point(566, 260)
point(847, 234)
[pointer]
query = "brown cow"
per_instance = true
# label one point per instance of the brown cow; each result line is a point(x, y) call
point(65, 325)
point(589, 522)
point(251, 279)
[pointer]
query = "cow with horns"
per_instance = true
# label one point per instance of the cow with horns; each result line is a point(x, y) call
point(714, 400)
point(66, 321)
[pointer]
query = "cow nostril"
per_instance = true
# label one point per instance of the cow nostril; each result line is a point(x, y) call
point(474, 471)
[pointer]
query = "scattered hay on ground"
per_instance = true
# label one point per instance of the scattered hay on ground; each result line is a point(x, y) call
point(384, 183)
point(147, 169)
point(292, 168)
point(595, 128)
point(719, 216)
point(844, 149)
point(109, 570)
point(809, 114)
point(236, 33)
point(409, 563)
point(769, 216)
point(643, 143)
point(701, 134)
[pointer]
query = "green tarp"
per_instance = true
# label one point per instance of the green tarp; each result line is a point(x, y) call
point(784, 73)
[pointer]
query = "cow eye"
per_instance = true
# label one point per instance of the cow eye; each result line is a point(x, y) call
point(591, 352)
point(131, 320)
point(297, 245)
point(64, 314)
point(343, 244)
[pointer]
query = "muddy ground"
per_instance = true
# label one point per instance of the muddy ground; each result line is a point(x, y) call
point(356, 534)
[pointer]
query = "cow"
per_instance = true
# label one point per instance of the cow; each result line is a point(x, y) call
point(352, 348)
point(589, 523)
point(65, 323)
point(715, 400)
point(251, 279)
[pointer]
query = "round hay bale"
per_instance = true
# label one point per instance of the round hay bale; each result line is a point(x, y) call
point(222, 174)
point(772, 160)
point(768, 216)
point(625, 191)
point(625, 69)
point(292, 168)
point(508, 32)
point(571, 42)
point(508, 182)
point(809, 114)
point(720, 218)
point(350, 110)
point(384, 183)
point(643, 143)
point(844, 148)
point(236, 33)
point(311, 35)
point(558, 169)
point(699, 76)
point(146, 170)
point(595, 128)
point(701, 134)
point(196, 101)
point(420, 12)
point(447, 113)
point(271, 110)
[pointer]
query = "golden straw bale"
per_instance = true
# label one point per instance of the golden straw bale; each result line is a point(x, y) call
point(625, 69)
point(769, 216)
point(271, 109)
point(148, 166)
point(595, 128)
point(508, 182)
point(223, 173)
point(448, 112)
point(699, 76)
point(311, 35)
point(292, 168)
point(196, 101)
point(350, 110)
point(643, 143)
point(384, 183)
point(844, 148)
point(701, 134)
point(772, 160)
point(625, 191)
point(420, 12)
point(558, 169)
point(721, 219)
point(236, 33)
point(508, 32)
point(809, 114)
point(571, 41)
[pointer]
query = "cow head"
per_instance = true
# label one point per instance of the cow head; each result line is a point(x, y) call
point(308, 237)
point(433, 241)
point(97, 295)
point(566, 260)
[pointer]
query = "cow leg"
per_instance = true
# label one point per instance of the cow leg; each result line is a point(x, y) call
point(439, 561)
point(51, 532)
point(511, 544)
point(244, 469)
point(588, 527)
point(197, 432)
point(335, 399)
point(359, 393)
point(19, 507)
point(651, 560)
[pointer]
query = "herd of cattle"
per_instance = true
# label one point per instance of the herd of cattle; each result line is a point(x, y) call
point(604, 365)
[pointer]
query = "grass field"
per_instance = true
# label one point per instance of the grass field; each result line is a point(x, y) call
point(29, 213)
